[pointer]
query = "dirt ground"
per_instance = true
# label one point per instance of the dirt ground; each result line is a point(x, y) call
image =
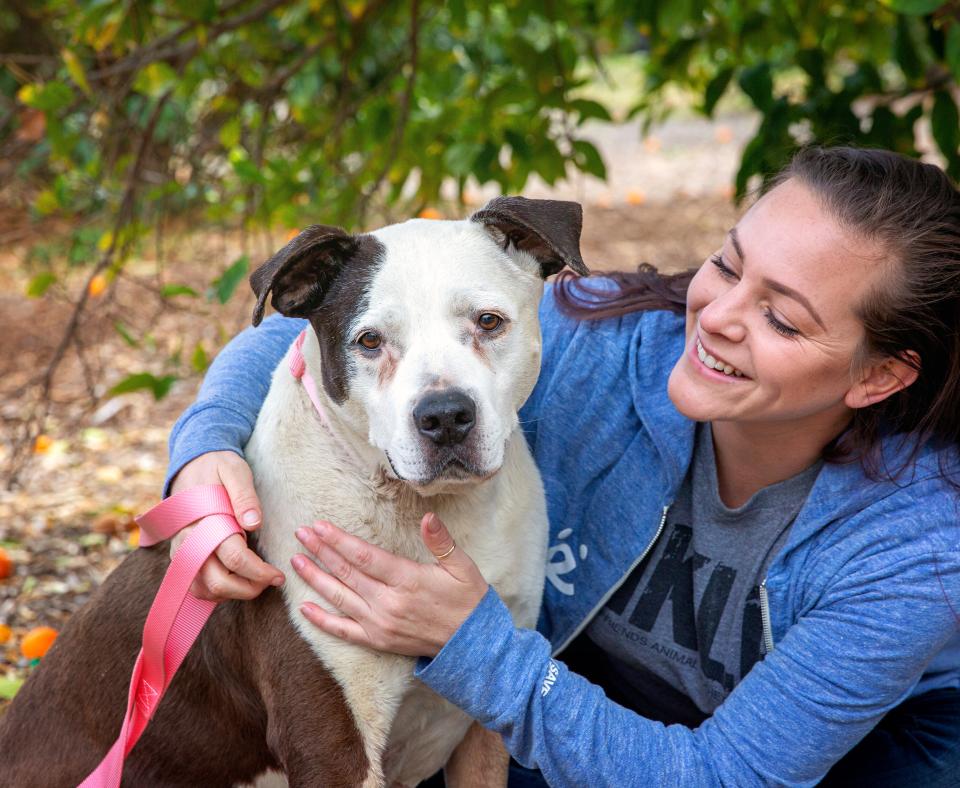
point(68, 521)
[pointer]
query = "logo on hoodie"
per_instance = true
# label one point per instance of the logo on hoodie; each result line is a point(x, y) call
point(561, 561)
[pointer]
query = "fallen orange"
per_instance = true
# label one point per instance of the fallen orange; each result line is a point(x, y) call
point(97, 285)
point(37, 642)
point(430, 213)
point(6, 565)
point(5, 633)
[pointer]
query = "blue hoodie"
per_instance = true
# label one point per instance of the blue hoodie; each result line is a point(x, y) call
point(860, 606)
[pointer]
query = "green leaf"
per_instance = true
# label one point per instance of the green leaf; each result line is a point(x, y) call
point(460, 156)
point(757, 83)
point(715, 89)
point(40, 284)
point(144, 380)
point(9, 687)
point(588, 159)
point(155, 79)
point(48, 96)
point(915, 7)
point(905, 50)
point(199, 360)
point(812, 61)
point(127, 337)
point(945, 124)
point(952, 53)
point(590, 109)
point(223, 286)
point(751, 163)
point(168, 291)
point(75, 70)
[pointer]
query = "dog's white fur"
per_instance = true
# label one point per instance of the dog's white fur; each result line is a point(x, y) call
point(425, 298)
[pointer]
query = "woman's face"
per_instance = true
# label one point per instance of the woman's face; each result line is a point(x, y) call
point(771, 326)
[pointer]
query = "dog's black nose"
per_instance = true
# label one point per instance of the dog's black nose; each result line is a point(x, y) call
point(445, 417)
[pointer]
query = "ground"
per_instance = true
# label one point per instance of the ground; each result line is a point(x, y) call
point(68, 520)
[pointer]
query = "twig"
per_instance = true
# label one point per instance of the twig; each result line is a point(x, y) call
point(34, 423)
point(161, 49)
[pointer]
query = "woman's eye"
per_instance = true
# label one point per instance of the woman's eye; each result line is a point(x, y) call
point(489, 321)
point(370, 340)
point(724, 270)
point(781, 328)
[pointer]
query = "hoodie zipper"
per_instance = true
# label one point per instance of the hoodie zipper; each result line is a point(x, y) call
point(620, 582)
point(765, 618)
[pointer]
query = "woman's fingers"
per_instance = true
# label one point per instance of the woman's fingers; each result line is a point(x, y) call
point(342, 597)
point(354, 572)
point(234, 571)
point(238, 479)
point(216, 583)
point(356, 554)
point(239, 559)
point(338, 626)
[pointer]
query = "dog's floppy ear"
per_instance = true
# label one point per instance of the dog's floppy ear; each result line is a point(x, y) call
point(300, 274)
point(548, 230)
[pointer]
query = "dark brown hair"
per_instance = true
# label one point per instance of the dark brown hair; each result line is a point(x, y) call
point(913, 211)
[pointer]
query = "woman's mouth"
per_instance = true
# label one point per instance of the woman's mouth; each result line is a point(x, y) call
point(717, 364)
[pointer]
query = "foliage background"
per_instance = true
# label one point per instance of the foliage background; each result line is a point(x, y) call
point(152, 151)
point(116, 115)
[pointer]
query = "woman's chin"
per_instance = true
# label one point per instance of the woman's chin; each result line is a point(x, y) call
point(691, 397)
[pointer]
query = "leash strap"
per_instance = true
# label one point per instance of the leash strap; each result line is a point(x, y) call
point(176, 616)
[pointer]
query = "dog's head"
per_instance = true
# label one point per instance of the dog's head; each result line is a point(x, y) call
point(428, 330)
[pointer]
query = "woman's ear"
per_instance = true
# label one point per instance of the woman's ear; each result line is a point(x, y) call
point(883, 379)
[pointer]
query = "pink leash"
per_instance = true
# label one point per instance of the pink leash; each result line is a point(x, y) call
point(176, 616)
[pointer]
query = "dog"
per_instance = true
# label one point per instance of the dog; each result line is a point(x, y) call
point(423, 344)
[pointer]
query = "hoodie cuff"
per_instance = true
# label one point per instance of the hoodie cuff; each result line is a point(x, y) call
point(211, 426)
point(482, 654)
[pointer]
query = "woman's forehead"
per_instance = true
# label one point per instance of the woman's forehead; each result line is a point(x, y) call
point(788, 236)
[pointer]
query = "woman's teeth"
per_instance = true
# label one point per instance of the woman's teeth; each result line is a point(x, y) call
point(716, 363)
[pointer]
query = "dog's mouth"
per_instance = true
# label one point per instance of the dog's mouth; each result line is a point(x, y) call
point(453, 468)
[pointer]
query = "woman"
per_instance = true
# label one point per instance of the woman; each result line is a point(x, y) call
point(755, 551)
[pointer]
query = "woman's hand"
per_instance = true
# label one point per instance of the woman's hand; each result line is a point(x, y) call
point(234, 571)
point(389, 603)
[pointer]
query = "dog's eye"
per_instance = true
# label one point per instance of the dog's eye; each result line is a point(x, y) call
point(489, 321)
point(370, 340)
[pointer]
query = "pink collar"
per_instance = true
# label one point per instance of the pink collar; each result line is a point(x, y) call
point(298, 368)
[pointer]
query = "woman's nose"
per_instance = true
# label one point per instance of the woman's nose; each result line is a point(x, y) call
point(723, 316)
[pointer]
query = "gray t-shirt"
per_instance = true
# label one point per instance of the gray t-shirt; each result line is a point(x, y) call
point(686, 627)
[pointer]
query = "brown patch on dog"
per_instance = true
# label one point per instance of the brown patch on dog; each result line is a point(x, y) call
point(250, 696)
point(481, 351)
point(387, 369)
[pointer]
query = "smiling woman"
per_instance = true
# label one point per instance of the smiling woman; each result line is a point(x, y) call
point(752, 482)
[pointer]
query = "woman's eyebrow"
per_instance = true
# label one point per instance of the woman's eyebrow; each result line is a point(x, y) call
point(777, 287)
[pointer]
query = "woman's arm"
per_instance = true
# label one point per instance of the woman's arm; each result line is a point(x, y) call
point(857, 652)
point(225, 411)
point(826, 685)
point(206, 447)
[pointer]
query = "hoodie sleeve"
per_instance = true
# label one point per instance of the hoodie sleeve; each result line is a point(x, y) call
point(233, 391)
point(835, 673)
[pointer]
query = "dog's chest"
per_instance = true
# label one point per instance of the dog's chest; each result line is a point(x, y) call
point(302, 475)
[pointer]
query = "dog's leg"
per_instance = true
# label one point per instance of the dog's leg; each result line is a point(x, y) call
point(310, 729)
point(480, 761)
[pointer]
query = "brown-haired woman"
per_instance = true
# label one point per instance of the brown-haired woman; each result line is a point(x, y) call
point(754, 570)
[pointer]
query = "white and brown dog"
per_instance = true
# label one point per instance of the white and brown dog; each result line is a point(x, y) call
point(424, 344)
